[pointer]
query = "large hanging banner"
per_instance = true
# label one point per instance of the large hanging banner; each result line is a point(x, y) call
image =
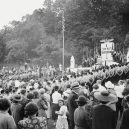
point(107, 47)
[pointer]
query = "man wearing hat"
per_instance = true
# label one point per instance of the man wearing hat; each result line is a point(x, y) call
point(72, 105)
point(125, 120)
point(110, 87)
point(81, 117)
point(16, 108)
point(103, 116)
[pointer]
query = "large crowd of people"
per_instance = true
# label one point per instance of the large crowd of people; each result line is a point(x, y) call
point(97, 99)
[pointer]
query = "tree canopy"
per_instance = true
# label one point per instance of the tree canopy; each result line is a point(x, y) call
point(39, 36)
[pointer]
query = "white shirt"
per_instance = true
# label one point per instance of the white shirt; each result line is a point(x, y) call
point(17, 83)
point(119, 90)
point(56, 96)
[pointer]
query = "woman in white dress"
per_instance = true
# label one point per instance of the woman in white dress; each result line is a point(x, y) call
point(62, 122)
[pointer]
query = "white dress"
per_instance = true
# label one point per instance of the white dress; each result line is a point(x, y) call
point(62, 122)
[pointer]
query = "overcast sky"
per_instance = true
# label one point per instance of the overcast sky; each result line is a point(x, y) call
point(14, 9)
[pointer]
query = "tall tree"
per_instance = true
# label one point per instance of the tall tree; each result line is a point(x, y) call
point(2, 46)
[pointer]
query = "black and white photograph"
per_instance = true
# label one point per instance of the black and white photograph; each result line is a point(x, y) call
point(64, 64)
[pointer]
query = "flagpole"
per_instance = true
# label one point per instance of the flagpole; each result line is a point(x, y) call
point(61, 11)
point(63, 35)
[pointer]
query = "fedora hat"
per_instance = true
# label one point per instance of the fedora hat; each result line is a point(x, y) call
point(75, 85)
point(17, 98)
point(82, 99)
point(104, 96)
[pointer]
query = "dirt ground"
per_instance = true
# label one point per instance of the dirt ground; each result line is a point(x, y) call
point(51, 126)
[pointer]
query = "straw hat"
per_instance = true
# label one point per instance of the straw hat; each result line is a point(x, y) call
point(17, 97)
point(75, 85)
point(104, 96)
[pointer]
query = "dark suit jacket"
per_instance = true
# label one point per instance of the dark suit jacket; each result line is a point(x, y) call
point(103, 117)
point(125, 120)
point(72, 105)
point(81, 119)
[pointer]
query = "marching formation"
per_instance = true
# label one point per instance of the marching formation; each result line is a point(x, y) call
point(97, 99)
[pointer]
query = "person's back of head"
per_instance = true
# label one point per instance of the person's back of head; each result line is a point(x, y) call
point(125, 91)
point(23, 92)
point(82, 84)
point(68, 86)
point(82, 100)
point(95, 86)
point(36, 94)
point(30, 96)
point(7, 91)
point(99, 82)
point(13, 91)
point(2, 92)
point(56, 88)
point(4, 104)
point(31, 109)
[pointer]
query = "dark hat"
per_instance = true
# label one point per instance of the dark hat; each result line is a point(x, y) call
point(23, 91)
point(36, 94)
point(68, 85)
point(30, 96)
point(16, 98)
point(31, 109)
point(82, 83)
point(82, 99)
